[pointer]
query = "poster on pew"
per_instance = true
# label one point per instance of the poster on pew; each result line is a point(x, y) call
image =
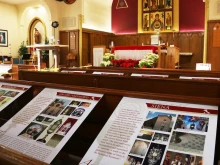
point(152, 132)
point(109, 73)
point(200, 78)
point(150, 75)
point(46, 123)
point(10, 92)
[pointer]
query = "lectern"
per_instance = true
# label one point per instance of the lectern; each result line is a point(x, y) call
point(168, 57)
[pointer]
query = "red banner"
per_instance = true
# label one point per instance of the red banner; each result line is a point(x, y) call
point(186, 109)
point(78, 96)
point(14, 87)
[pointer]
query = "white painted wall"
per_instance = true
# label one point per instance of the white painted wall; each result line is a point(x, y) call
point(9, 21)
point(69, 13)
point(97, 14)
point(213, 6)
point(27, 12)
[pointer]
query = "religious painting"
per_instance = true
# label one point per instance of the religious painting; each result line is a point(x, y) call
point(146, 5)
point(168, 20)
point(157, 21)
point(3, 38)
point(146, 20)
point(168, 3)
point(153, 4)
point(160, 4)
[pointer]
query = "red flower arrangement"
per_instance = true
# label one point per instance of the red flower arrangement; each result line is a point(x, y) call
point(125, 63)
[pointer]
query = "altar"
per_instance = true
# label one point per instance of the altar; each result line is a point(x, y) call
point(55, 49)
point(133, 52)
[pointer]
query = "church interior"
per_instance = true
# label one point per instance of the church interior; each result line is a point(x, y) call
point(147, 49)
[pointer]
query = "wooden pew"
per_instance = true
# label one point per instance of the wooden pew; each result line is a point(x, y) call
point(80, 141)
point(173, 73)
point(142, 84)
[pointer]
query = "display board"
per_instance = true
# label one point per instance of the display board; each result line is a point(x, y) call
point(152, 132)
point(46, 123)
point(10, 92)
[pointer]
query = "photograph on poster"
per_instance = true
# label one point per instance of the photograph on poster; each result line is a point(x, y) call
point(187, 142)
point(193, 123)
point(33, 130)
point(55, 140)
point(11, 94)
point(139, 147)
point(2, 92)
point(133, 160)
point(146, 135)
point(176, 158)
point(159, 121)
point(52, 128)
point(47, 120)
point(56, 107)
point(154, 154)
point(68, 110)
point(4, 100)
point(67, 125)
point(159, 137)
point(39, 118)
point(85, 104)
point(78, 112)
point(74, 102)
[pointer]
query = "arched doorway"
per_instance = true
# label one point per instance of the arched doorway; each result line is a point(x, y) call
point(36, 23)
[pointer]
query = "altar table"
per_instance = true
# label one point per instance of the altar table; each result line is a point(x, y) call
point(54, 48)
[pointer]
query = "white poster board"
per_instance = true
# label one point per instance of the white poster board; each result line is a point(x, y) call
point(150, 75)
point(200, 78)
point(10, 92)
point(108, 73)
point(45, 124)
point(203, 66)
point(152, 132)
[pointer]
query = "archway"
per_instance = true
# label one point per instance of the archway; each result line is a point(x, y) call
point(38, 24)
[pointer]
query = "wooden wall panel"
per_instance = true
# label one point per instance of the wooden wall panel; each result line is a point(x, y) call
point(213, 53)
point(186, 41)
point(64, 37)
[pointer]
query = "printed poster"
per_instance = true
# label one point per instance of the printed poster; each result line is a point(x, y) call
point(45, 124)
point(152, 132)
point(10, 92)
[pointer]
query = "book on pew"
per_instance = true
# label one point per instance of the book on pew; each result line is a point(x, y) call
point(47, 122)
point(152, 132)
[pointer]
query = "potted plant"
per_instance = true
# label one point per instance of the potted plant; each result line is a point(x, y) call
point(149, 61)
point(22, 49)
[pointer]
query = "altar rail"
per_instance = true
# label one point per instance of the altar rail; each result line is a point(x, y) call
point(80, 141)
